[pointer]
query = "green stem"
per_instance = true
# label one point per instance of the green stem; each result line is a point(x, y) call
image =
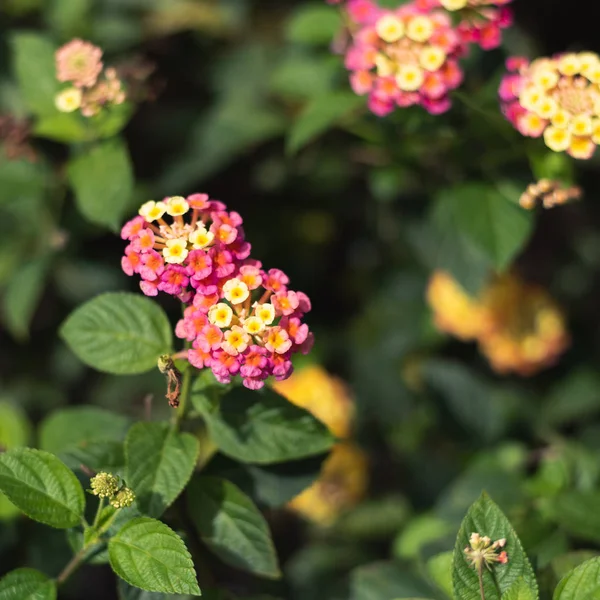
point(100, 507)
point(480, 577)
point(183, 398)
point(73, 565)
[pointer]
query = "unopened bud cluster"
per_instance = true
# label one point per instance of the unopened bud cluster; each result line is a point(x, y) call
point(548, 193)
point(482, 551)
point(106, 485)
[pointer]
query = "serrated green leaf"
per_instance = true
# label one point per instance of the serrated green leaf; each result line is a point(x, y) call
point(33, 66)
point(102, 178)
point(497, 226)
point(128, 592)
point(484, 517)
point(231, 526)
point(159, 462)
point(22, 296)
point(262, 427)
point(582, 583)
point(563, 564)
point(147, 554)
point(118, 333)
point(319, 115)
point(520, 591)
point(27, 584)
point(313, 24)
point(42, 487)
point(577, 512)
point(439, 568)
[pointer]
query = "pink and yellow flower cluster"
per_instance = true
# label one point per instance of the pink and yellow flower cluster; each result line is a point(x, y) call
point(518, 326)
point(239, 318)
point(557, 98)
point(410, 56)
point(91, 87)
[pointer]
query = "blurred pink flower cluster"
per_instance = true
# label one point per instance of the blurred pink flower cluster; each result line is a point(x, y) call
point(410, 55)
point(239, 318)
point(79, 63)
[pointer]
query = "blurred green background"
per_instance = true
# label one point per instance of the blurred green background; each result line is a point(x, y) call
point(245, 101)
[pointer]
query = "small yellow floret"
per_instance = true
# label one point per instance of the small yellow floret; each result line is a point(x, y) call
point(432, 58)
point(546, 108)
point(385, 67)
point(201, 238)
point(410, 78)
point(581, 125)
point(582, 148)
point(236, 291)
point(545, 79)
point(68, 100)
point(175, 251)
point(569, 65)
point(220, 315)
point(253, 325)
point(420, 29)
point(454, 4)
point(390, 28)
point(265, 312)
point(561, 119)
point(531, 96)
point(177, 206)
point(151, 211)
point(557, 139)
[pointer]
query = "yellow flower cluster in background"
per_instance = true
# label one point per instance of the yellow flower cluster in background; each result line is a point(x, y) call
point(518, 326)
point(343, 480)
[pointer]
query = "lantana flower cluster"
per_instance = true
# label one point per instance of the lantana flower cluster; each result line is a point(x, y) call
point(518, 326)
point(557, 98)
point(343, 480)
point(91, 87)
point(240, 318)
point(483, 551)
point(549, 193)
point(404, 57)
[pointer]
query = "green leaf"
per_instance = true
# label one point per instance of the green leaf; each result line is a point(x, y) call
point(575, 397)
point(319, 115)
point(231, 526)
point(261, 427)
point(484, 517)
point(582, 583)
point(160, 462)
point(34, 68)
point(22, 296)
point(22, 182)
point(563, 564)
point(314, 24)
point(42, 487)
point(71, 427)
point(577, 512)
point(102, 178)
point(419, 532)
point(497, 226)
point(118, 333)
point(149, 555)
point(439, 568)
point(128, 592)
point(65, 17)
point(27, 584)
point(520, 591)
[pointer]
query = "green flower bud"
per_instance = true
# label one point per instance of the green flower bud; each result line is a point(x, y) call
point(104, 485)
point(123, 499)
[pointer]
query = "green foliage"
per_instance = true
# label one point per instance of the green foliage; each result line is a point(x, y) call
point(576, 512)
point(231, 526)
point(439, 568)
point(313, 24)
point(484, 517)
point(27, 584)
point(149, 555)
point(159, 462)
point(118, 333)
point(42, 487)
point(261, 428)
point(102, 179)
point(582, 582)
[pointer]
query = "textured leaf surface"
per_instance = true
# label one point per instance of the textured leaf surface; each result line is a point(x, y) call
point(118, 333)
point(159, 463)
point(27, 584)
point(484, 517)
point(149, 555)
point(35, 71)
point(582, 583)
point(128, 592)
point(262, 427)
point(231, 526)
point(520, 591)
point(103, 182)
point(42, 487)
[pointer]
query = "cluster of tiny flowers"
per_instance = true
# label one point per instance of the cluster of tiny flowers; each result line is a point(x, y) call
point(343, 480)
point(482, 551)
point(106, 485)
point(517, 325)
point(548, 193)
point(240, 318)
point(404, 57)
point(91, 87)
point(557, 98)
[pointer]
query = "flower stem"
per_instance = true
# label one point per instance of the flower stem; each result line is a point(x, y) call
point(480, 577)
point(97, 517)
point(183, 398)
point(73, 565)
